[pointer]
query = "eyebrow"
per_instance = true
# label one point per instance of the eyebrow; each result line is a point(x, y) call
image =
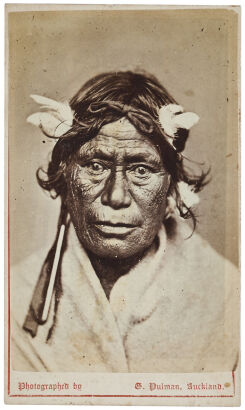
point(130, 157)
point(144, 156)
point(95, 152)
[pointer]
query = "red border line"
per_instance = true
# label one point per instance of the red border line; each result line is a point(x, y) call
point(106, 395)
point(8, 280)
point(233, 379)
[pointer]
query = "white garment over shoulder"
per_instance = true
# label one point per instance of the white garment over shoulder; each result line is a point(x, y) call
point(175, 311)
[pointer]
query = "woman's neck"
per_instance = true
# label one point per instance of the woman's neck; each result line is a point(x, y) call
point(109, 270)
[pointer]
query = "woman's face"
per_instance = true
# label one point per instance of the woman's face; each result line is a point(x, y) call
point(116, 191)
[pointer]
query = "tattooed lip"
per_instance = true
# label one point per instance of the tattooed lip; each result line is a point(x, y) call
point(108, 223)
point(114, 229)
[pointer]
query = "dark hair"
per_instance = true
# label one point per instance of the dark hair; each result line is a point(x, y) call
point(107, 98)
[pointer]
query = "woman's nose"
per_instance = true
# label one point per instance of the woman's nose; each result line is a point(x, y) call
point(116, 193)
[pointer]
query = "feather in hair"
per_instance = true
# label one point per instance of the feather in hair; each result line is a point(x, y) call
point(56, 119)
point(171, 118)
point(186, 120)
point(187, 195)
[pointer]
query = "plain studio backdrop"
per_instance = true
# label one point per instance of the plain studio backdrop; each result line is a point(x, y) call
point(193, 52)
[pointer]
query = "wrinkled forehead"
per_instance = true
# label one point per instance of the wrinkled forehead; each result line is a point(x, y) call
point(122, 129)
point(121, 135)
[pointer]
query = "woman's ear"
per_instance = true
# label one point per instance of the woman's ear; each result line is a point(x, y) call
point(170, 186)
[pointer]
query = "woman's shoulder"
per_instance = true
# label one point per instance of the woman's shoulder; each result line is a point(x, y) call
point(23, 277)
point(188, 244)
point(196, 265)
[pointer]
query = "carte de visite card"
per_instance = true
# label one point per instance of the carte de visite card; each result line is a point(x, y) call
point(122, 280)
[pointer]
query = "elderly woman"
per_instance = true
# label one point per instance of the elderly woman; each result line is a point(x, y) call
point(127, 285)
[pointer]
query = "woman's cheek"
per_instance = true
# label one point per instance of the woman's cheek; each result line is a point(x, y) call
point(84, 188)
point(154, 194)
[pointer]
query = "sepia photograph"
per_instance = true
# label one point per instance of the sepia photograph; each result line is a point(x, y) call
point(123, 277)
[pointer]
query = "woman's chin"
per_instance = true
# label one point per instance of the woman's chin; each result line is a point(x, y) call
point(114, 248)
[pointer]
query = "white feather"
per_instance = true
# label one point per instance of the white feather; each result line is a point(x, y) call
point(62, 109)
point(171, 119)
point(56, 119)
point(166, 117)
point(173, 108)
point(186, 120)
point(48, 102)
point(49, 124)
point(34, 119)
point(189, 197)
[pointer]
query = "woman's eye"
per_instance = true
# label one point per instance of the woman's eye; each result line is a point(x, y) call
point(142, 171)
point(96, 168)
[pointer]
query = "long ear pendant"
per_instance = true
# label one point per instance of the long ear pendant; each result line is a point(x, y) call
point(53, 274)
point(41, 300)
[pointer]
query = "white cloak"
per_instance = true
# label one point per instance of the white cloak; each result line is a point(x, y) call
point(176, 311)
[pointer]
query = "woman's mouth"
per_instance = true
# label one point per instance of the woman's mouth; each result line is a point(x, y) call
point(114, 229)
